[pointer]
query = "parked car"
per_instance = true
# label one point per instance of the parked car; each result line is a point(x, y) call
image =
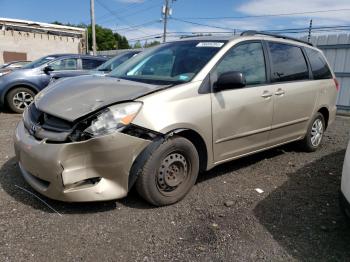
point(103, 69)
point(9, 67)
point(172, 112)
point(113, 63)
point(345, 184)
point(17, 89)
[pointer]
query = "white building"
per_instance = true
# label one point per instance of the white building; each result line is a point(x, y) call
point(29, 40)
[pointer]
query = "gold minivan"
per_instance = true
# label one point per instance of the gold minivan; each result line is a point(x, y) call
point(172, 112)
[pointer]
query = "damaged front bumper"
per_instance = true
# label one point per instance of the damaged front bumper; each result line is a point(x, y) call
point(93, 170)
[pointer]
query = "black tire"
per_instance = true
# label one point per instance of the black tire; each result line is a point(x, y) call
point(307, 144)
point(26, 93)
point(174, 160)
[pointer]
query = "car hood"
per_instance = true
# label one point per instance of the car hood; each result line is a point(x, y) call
point(75, 97)
point(19, 73)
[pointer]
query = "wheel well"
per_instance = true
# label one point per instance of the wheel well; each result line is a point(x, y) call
point(324, 111)
point(199, 143)
point(19, 86)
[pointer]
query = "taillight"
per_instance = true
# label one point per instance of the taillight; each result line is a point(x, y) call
point(337, 86)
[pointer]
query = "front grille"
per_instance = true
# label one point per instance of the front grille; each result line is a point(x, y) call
point(45, 126)
point(47, 121)
point(53, 123)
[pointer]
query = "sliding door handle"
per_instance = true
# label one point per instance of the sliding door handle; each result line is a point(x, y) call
point(266, 94)
point(279, 92)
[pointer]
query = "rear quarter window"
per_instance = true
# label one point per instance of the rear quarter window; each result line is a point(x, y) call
point(288, 63)
point(91, 63)
point(319, 67)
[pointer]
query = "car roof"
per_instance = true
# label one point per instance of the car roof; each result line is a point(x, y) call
point(253, 35)
point(77, 56)
point(209, 38)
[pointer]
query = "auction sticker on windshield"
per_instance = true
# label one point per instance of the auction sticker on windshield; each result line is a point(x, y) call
point(210, 44)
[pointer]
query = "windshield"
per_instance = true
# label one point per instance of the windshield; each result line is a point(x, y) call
point(115, 62)
point(169, 63)
point(39, 62)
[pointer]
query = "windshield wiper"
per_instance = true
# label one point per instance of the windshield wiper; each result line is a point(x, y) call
point(103, 69)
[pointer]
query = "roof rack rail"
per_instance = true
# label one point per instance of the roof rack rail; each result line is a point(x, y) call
point(254, 32)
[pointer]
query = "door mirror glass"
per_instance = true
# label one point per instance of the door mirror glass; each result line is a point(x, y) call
point(48, 69)
point(230, 80)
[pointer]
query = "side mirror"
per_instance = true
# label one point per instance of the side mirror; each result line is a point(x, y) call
point(48, 69)
point(230, 80)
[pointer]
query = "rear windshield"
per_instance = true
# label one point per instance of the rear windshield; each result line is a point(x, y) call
point(170, 63)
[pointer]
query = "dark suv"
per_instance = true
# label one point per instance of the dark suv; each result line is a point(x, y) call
point(18, 88)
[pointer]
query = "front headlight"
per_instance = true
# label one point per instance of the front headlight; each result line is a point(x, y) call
point(113, 118)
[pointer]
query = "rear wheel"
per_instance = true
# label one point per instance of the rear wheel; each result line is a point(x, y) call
point(169, 173)
point(314, 135)
point(19, 98)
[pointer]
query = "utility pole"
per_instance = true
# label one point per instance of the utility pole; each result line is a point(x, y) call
point(310, 29)
point(165, 13)
point(93, 29)
point(87, 40)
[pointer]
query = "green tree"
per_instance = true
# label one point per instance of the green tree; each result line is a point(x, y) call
point(137, 45)
point(121, 41)
point(153, 43)
point(105, 38)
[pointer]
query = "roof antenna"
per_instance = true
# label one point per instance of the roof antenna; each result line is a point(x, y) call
point(310, 29)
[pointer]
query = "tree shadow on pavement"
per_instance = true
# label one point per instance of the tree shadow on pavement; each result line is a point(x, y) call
point(303, 214)
point(234, 165)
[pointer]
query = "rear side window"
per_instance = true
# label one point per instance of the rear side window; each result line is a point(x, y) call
point(319, 67)
point(288, 63)
point(64, 64)
point(246, 58)
point(91, 63)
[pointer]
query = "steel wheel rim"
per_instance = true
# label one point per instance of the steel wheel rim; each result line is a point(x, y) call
point(316, 132)
point(22, 99)
point(173, 173)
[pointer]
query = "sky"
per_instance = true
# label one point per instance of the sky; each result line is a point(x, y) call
point(141, 19)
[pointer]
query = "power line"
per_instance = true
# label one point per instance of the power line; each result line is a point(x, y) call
point(195, 23)
point(139, 25)
point(267, 15)
point(129, 14)
point(143, 10)
point(115, 15)
point(128, 8)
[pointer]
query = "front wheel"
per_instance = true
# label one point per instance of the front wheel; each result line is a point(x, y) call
point(314, 135)
point(169, 173)
point(19, 98)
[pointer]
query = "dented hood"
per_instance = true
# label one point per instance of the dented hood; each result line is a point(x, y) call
point(75, 97)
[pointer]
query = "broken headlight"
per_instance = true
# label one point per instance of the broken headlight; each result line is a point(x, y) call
point(113, 118)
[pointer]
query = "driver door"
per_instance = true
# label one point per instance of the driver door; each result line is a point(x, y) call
point(242, 117)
